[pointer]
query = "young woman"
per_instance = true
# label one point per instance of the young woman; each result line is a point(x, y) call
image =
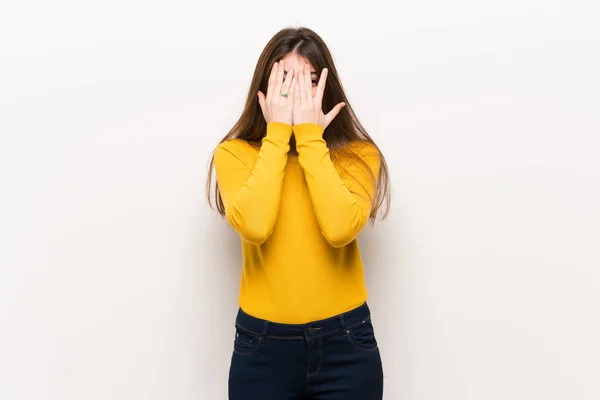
point(298, 185)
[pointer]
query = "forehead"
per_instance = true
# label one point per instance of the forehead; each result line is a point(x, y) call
point(293, 60)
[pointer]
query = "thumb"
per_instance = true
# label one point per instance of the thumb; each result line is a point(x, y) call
point(334, 112)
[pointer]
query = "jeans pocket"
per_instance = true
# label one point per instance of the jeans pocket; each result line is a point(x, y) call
point(362, 336)
point(246, 342)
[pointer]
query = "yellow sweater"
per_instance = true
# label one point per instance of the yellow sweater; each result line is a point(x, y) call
point(298, 218)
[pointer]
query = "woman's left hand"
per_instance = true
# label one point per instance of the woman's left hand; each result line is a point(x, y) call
point(307, 109)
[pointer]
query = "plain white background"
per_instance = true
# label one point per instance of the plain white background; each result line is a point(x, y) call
point(118, 282)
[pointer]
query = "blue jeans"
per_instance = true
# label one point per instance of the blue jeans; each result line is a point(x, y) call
point(332, 359)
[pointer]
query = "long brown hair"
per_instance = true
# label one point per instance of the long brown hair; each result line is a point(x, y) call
point(344, 128)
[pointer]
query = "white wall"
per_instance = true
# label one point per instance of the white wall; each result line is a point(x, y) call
point(118, 282)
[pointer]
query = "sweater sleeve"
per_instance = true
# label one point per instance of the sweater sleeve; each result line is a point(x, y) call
point(341, 202)
point(251, 191)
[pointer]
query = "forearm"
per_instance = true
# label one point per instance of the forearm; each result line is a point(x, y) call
point(254, 208)
point(340, 214)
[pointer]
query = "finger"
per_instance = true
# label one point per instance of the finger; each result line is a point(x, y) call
point(288, 80)
point(334, 112)
point(271, 82)
point(290, 97)
point(279, 80)
point(261, 101)
point(321, 86)
point(302, 87)
point(308, 83)
point(297, 93)
point(292, 89)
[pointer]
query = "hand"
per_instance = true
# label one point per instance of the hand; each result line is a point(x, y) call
point(308, 108)
point(275, 107)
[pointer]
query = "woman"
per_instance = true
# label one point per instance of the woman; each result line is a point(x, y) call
point(298, 185)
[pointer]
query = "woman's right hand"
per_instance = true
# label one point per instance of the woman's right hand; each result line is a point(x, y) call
point(275, 107)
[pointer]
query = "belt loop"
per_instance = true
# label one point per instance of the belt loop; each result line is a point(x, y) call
point(263, 334)
point(342, 324)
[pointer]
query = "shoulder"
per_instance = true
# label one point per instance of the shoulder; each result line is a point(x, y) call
point(364, 149)
point(362, 146)
point(236, 145)
point(235, 150)
point(359, 157)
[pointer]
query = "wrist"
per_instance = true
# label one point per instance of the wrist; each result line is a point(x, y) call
point(307, 131)
point(279, 130)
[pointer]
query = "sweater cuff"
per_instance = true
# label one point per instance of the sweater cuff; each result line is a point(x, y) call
point(308, 132)
point(279, 131)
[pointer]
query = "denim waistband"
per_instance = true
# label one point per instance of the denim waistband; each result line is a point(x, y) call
point(314, 329)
